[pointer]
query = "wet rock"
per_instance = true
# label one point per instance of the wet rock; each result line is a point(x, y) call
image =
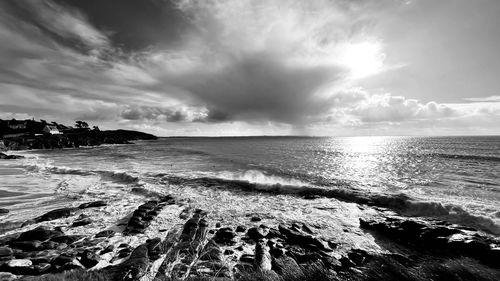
point(358, 256)
point(217, 224)
point(67, 239)
point(241, 228)
point(3, 211)
point(296, 236)
point(6, 252)
point(225, 236)
point(311, 196)
point(49, 245)
point(5, 156)
point(89, 259)
point(154, 248)
point(27, 245)
point(136, 266)
point(247, 258)
point(228, 252)
point(256, 233)
point(435, 237)
point(19, 267)
point(42, 268)
point(105, 233)
point(262, 256)
point(93, 204)
point(108, 249)
point(40, 233)
point(82, 222)
point(123, 253)
point(19, 263)
point(56, 214)
point(62, 260)
point(255, 219)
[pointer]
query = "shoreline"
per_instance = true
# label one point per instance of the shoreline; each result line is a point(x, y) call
point(111, 235)
point(225, 229)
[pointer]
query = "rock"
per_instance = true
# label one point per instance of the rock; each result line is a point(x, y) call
point(108, 249)
point(296, 236)
point(4, 211)
point(217, 225)
point(262, 260)
point(27, 245)
point(105, 233)
point(19, 263)
point(49, 245)
point(5, 156)
point(6, 252)
point(434, 236)
point(256, 233)
point(82, 222)
point(154, 248)
point(228, 252)
point(89, 259)
point(42, 268)
point(255, 219)
point(211, 252)
point(286, 265)
point(247, 258)
point(20, 267)
point(357, 256)
point(93, 204)
point(240, 228)
point(136, 266)
point(56, 214)
point(62, 260)
point(67, 239)
point(311, 196)
point(40, 233)
point(225, 236)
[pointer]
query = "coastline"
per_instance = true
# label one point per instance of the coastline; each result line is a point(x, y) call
point(179, 231)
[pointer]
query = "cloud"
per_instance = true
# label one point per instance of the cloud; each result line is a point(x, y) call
point(218, 65)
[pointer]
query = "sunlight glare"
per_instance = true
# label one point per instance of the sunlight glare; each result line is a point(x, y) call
point(363, 59)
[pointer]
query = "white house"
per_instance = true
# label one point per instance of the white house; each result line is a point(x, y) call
point(51, 129)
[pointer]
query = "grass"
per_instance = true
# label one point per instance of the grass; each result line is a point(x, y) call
point(73, 275)
point(380, 268)
point(388, 269)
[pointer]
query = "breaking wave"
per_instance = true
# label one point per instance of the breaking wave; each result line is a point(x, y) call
point(251, 181)
point(115, 176)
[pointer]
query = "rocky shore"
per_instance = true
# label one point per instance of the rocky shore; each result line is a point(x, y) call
point(168, 238)
point(74, 139)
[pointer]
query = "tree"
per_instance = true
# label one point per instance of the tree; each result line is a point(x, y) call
point(81, 124)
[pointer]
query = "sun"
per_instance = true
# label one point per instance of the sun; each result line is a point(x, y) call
point(362, 59)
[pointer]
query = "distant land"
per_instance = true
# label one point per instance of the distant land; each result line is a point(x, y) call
point(32, 134)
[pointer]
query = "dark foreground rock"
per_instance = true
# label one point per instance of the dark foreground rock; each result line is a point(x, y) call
point(437, 237)
point(201, 248)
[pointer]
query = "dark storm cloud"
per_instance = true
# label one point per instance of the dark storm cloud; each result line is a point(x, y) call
point(133, 25)
point(259, 87)
point(201, 64)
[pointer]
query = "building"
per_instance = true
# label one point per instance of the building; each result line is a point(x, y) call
point(17, 125)
point(51, 129)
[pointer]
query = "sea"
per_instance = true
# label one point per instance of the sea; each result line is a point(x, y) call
point(455, 179)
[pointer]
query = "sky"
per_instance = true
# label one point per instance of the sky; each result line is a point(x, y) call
point(254, 67)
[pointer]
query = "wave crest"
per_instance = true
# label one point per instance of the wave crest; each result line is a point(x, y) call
point(115, 176)
point(399, 202)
